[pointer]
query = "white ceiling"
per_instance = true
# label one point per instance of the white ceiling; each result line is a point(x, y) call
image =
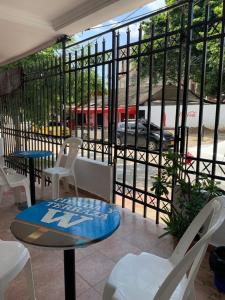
point(27, 26)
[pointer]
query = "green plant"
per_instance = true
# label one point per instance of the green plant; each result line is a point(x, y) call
point(190, 195)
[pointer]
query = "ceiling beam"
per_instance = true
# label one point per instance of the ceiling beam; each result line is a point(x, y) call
point(92, 13)
point(49, 43)
point(18, 16)
point(80, 12)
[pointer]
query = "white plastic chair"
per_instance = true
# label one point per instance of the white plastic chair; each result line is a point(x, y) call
point(2, 160)
point(147, 276)
point(59, 172)
point(14, 257)
point(14, 180)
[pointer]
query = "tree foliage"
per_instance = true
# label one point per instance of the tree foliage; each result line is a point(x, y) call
point(174, 18)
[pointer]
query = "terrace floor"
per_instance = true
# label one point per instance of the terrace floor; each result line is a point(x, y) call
point(94, 263)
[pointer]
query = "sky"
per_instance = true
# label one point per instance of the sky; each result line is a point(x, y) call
point(125, 17)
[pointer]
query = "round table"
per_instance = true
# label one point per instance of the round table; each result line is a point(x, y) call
point(31, 155)
point(66, 223)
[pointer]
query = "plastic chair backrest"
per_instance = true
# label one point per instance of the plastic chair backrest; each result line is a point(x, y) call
point(74, 146)
point(4, 179)
point(1, 147)
point(2, 161)
point(213, 215)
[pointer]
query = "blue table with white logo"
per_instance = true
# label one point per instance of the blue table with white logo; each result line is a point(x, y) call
point(31, 155)
point(66, 223)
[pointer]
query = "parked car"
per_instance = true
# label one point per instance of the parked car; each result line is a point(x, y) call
point(54, 128)
point(154, 135)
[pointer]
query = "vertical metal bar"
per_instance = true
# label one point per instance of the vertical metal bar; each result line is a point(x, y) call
point(24, 104)
point(137, 115)
point(58, 101)
point(36, 96)
point(179, 78)
point(61, 95)
point(52, 96)
point(45, 105)
point(49, 80)
point(219, 92)
point(103, 98)
point(126, 113)
point(187, 74)
point(56, 97)
point(39, 144)
point(63, 77)
point(202, 87)
point(165, 55)
point(76, 95)
point(110, 129)
point(30, 134)
point(69, 274)
point(82, 95)
point(32, 180)
point(88, 99)
point(149, 114)
point(95, 99)
point(114, 107)
point(70, 96)
point(178, 100)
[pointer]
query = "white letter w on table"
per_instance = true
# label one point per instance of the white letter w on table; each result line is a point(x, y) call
point(63, 220)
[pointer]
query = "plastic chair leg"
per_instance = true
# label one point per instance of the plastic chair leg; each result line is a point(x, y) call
point(30, 280)
point(55, 186)
point(42, 184)
point(17, 194)
point(75, 186)
point(27, 192)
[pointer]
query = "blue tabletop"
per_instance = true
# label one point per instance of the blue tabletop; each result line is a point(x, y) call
point(85, 220)
point(33, 153)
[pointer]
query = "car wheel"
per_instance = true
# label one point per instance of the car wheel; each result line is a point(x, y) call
point(118, 141)
point(152, 146)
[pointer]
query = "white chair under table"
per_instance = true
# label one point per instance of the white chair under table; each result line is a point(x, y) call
point(2, 152)
point(58, 172)
point(147, 276)
point(14, 257)
point(14, 180)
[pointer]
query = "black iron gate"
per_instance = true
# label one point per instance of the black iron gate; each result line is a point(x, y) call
point(165, 69)
point(177, 50)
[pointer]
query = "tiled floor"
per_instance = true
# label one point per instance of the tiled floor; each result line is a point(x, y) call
point(94, 263)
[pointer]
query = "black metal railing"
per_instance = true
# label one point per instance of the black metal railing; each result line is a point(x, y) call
point(155, 68)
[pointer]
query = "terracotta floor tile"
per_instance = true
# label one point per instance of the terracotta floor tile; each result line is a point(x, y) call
point(115, 248)
point(36, 252)
point(99, 287)
point(91, 294)
point(94, 263)
point(52, 282)
point(46, 261)
point(95, 267)
point(140, 239)
point(85, 251)
point(54, 290)
point(81, 285)
point(17, 288)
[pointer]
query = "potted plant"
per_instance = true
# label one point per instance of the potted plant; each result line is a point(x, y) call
point(189, 195)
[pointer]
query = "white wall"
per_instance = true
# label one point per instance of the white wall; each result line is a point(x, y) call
point(209, 113)
point(93, 176)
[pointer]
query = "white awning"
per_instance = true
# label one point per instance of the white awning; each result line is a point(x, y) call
point(27, 26)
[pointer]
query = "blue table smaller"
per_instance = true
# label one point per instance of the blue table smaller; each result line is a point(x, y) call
point(66, 223)
point(31, 155)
